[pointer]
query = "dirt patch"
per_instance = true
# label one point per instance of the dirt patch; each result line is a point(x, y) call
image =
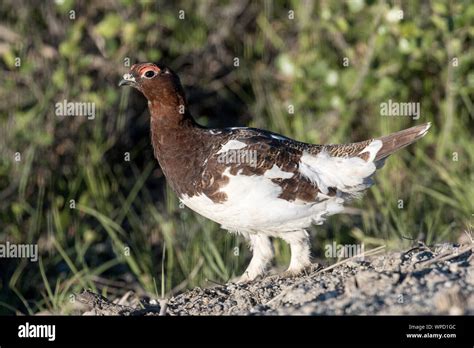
point(422, 280)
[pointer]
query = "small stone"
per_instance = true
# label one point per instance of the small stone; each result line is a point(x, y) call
point(454, 268)
point(456, 311)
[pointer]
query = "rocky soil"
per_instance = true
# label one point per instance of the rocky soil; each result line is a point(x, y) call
point(422, 280)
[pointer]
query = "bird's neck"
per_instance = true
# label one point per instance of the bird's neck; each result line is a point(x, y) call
point(168, 117)
point(178, 141)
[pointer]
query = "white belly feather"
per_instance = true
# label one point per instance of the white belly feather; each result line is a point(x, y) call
point(253, 205)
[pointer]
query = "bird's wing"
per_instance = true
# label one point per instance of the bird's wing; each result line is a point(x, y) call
point(248, 152)
point(305, 173)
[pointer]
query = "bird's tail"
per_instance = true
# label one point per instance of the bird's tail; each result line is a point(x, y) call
point(398, 140)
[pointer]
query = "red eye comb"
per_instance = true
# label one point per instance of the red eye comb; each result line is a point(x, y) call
point(148, 67)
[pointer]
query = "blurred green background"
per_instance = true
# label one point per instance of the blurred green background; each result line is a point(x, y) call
point(242, 63)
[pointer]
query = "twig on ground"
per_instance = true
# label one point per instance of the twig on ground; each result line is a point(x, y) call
point(103, 306)
point(446, 256)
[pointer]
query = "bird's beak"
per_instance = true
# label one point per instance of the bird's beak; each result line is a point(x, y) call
point(127, 80)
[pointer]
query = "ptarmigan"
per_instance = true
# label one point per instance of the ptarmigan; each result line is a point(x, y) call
point(251, 181)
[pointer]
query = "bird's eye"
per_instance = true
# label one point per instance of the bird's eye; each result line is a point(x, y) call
point(149, 74)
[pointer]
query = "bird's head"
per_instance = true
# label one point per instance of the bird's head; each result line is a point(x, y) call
point(158, 83)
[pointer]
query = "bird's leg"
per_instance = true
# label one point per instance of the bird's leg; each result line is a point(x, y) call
point(300, 251)
point(262, 254)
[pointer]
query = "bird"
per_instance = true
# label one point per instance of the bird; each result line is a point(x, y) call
point(253, 182)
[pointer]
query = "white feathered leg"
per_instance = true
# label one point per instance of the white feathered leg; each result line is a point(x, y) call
point(300, 246)
point(262, 254)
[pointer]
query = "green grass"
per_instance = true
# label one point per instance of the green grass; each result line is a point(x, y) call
point(127, 230)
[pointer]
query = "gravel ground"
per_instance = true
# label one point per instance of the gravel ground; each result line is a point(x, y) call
point(422, 280)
